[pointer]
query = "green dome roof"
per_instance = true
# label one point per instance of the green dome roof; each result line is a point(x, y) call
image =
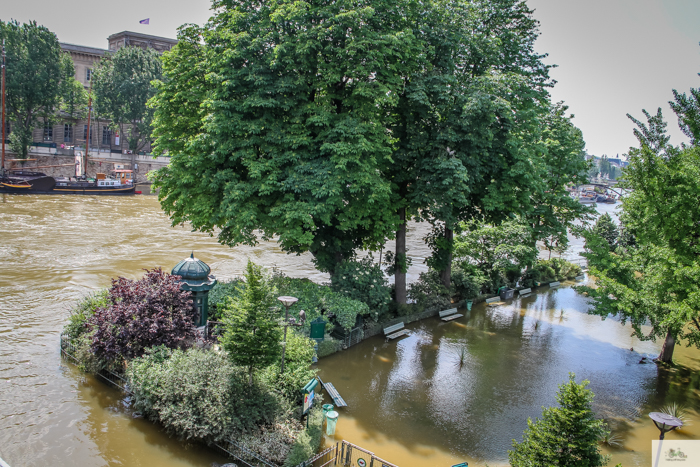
point(194, 274)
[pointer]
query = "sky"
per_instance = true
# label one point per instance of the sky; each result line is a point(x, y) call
point(613, 57)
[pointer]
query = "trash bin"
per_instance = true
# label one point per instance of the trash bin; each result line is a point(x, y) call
point(506, 293)
point(326, 408)
point(331, 420)
point(469, 305)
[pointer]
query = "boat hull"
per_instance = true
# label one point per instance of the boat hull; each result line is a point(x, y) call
point(40, 184)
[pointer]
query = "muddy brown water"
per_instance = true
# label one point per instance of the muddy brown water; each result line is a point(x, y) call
point(408, 401)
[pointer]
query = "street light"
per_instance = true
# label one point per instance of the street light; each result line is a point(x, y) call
point(665, 422)
point(287, 302)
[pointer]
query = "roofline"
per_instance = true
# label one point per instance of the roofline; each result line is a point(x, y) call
point(138, 34)
point(82, 48)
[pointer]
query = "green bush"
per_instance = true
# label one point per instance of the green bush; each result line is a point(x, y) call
point(218, 295)
point(429, 292)
point(320, 300)
point(363, 280)
point(297, 368)
point(82, 311)
point(198, 394)
point(467, 281)
point(328, 347)
point(309, 441)
point(551, 270)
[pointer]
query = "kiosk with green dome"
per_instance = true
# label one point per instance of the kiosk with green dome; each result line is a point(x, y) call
point(195, 277)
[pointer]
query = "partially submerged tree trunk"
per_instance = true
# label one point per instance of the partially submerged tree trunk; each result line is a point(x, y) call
point(666, 354)
point(446, 274)
point(400, 273)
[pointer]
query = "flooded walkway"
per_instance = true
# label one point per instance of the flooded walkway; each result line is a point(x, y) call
point(413, 403)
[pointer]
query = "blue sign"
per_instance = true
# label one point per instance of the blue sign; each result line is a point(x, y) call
point(463, 464)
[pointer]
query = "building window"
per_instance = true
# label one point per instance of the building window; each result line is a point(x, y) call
point(68, 132)
point(85, 133)
point(48, 132)
point(106, 135)
point(88, 74)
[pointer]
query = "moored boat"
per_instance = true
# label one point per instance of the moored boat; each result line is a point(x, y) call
point(37, 183)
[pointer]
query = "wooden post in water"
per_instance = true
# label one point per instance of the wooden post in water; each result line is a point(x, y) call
point(2, 159)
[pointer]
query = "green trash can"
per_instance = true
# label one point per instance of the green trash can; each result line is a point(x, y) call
point(326, 408)
point(469, 305)
point(331, 420)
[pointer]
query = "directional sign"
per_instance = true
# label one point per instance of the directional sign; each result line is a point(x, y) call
point(361, 462)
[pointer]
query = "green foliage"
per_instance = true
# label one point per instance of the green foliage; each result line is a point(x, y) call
point(497, 251)
point(198, 394)
point(328, 347)
point(605, 227)
point(566, 435)
point(219, 295)
point(428, 291)
point(321, 301)
point(363, 280)
point(467, 281)
point(123, 86)
point(38, 74)
point(297, 368)
point(550, 270)
point(80, 314)
point(307, 443)
point(74, 104)
point(252, 334)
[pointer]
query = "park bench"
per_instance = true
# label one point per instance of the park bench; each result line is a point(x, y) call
point(397, 330)
point(554, 284)
point(493, 301)
point(525, 292)
point(449, 315)
point(580, 278)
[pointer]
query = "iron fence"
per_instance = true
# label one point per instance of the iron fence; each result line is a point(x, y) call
point(352, 455)
point(243, 455)
point(328, 456)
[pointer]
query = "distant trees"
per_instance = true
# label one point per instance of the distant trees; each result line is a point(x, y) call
point(123, 86)
point(38, 76)
point(566, 436)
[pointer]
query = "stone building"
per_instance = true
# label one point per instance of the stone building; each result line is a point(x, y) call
point(67, 134)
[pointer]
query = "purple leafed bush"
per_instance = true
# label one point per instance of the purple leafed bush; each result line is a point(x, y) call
point(140, 314)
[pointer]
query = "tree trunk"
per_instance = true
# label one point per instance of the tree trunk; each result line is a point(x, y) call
point(666, 354)
point(400, 274)
point(446, 274)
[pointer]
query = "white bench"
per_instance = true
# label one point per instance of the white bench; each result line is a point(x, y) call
point(554, 284)
point(492, 299)
point(449, 315)
point(397, 330)
point(580, 278)
point(525, 292)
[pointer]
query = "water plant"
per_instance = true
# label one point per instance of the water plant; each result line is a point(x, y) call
point(462, 354)
point(677, 410)
point(612, 440)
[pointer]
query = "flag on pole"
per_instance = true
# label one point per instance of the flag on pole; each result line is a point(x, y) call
point(144, 21)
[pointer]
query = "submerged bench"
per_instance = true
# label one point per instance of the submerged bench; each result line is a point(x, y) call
point(449, 315)
point(397, 330)
point(492, 299)
point(333, 392)
point(580, 278)
point(525, 291)
point(554, 284)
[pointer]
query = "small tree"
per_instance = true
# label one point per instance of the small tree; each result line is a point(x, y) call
point(143, 313)
point(252, 335)
point(605, 227)
point(567, 435)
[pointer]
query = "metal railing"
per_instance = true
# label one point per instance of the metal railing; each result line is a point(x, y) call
point(241, 454)
point(352, 454)
point(324, 458)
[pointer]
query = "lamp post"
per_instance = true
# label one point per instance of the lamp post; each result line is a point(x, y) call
point(287, 302)
point(665, 422)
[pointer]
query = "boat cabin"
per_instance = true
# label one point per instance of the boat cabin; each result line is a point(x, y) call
point(119, 178)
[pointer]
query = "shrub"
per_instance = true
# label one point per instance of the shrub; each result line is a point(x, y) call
point(328, 347)
point(219, 294)
point(429, 292)
point(197, 394)
point(467, 281)
point(142, 313)
point(251, 331)
point(550, 270)
point(567, 435)
point(82, 312)
point(319, 300)
point(363, 280)
point(297, 371)
point(308, 442)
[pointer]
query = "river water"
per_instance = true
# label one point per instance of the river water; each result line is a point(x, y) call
point(413, 407)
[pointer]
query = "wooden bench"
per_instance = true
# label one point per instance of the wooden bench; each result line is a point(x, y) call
point(449, 315)
point(333, 392)
point(554, 284)
point(525, 292)
point(492, 299)
point(397, 330)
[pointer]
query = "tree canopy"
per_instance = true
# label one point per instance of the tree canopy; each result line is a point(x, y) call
point(38, 76)
point(123, 86)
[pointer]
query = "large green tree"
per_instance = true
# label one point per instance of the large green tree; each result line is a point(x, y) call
point(652, 281)
point(251, 332)
point(123, 86)
point(566, 436)
point(37, 76)
point(276, 123)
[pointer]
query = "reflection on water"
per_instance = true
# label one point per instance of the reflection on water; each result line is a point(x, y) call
point(413, 404)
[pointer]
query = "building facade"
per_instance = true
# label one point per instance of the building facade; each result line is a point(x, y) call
point(68, 134)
